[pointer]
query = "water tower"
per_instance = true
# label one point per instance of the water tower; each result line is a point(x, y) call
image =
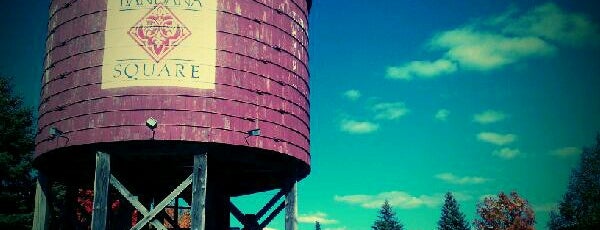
point(159, 100)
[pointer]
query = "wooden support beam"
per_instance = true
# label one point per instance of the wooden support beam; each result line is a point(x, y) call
point(160, 206)
point(134, 201)
point(165, 216)
point(272, 202)
point(199, 192)
point(236, 213)
point(272, 215)
point(101, 182)
point(41, 216)
point(291, 209)
point(250, 221)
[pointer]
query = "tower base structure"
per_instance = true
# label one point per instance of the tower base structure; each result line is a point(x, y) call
point(208, 190)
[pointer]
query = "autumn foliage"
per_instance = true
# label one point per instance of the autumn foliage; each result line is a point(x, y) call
point(185, 219)
point(506, 212)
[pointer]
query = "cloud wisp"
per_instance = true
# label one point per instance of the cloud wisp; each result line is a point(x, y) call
point(483, 51)
point(495, 42)
point(311, 218)
point(496, 138)
point(423, 69)
point(489, 116)
point(453, 179)
point(550, 22)
point(390, 111)
point(358, 127)
point(383, 111)
point(507, 153)
point(442, 115)
point(352, 94)
point(397, 199)
point(566, 151)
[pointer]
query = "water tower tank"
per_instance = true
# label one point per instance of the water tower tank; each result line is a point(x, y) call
point(228, 77)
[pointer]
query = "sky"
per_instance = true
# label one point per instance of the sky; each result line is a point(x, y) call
point(412, 99)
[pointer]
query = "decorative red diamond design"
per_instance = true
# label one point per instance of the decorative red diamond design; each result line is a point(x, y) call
point(159, 32)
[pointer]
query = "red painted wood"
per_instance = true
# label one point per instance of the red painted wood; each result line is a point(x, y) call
point(262, 79)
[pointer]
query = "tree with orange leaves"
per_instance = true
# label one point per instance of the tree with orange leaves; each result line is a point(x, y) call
point(505, 212)
point(185, 221)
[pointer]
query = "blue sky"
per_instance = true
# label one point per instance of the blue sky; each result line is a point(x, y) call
point(411, 99)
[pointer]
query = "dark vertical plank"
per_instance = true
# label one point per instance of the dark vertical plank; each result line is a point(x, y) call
point(41, 216)
point(176, 212)
point(68, 215)
point(101, 182)
point(291, 209)
point(199, 192)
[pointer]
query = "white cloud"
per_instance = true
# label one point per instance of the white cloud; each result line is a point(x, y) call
point(507, 153)
point(423, 69)
point(566, 151)
point(314, 217)
point(267, 228)
point(358, 127)
point(453, 179)
point(491, 43)
point(481, 50)
point(390, 111)
point(550, 22)
point(496, 138)
point(489, 116)
point(442, 114)
point(397, 199)
point(352, 94)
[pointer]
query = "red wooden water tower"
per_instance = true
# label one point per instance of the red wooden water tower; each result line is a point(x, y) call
point(162, 100)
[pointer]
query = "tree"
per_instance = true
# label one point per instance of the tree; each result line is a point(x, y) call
point(317, 225)
point(580, 207)
point(387, 220)
point(16, 146)
point(452, 218)
point(505, 212)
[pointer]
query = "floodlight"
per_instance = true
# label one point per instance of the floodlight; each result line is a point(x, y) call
point(254, 132)
point(152, 123)
point(55, 132)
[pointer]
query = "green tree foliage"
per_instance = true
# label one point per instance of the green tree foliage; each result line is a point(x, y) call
point(387, 220)
point(452, 218)
point(16, 146)
point(505, 212)
point(317, 225)
point(580, 207)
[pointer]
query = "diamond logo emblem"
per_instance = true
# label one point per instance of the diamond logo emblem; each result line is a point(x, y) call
point(159, 32)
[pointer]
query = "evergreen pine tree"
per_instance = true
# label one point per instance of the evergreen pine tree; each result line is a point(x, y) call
point(317, 225)
point(16, 146)
point(580, 207)
point(452, 218)
point(387, 220)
